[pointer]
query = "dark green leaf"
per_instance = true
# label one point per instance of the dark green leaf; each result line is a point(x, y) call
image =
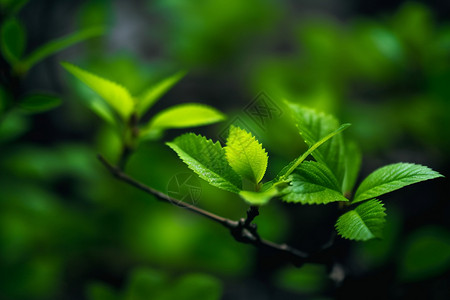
point(313, 127)
point(353, 159)
point(392, 177)
point(57, 45)
point(363, 223)
point(12, 40)
point(312, 183)
point(39, 103)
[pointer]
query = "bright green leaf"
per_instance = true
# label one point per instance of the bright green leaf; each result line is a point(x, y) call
point(183, 115)
point(246, 155)
point(258, 198)
point(353, 159)
point(392, 177)
point(363, 223)
point(156, 91)
point(12, 40)
point(39, 103)
point(313, 127)
point(116, 95)
point(57, 45)
point(312, 183)
point(208, 160)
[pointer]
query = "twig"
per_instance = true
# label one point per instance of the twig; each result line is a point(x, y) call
point(243, 231)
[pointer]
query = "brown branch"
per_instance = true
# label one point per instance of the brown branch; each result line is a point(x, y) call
point(243, 230)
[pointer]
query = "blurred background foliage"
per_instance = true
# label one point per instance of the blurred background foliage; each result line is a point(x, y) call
point(69, 231)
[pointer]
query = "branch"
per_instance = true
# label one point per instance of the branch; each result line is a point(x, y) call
point(243, 230)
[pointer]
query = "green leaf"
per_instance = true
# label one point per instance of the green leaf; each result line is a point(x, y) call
point(116, 95)
point(12, 40)
point(287, 170)
point(363, 223)
point(353, 160)
point(208, 160)
point(426, 254)
point(156, 91)
point(183, 115)
point(312, 183)
point(57, 45)
point(392, 177)
point(39, 103)
point(313, 127)
point(12, 7)
point(246, 155)
point(258, 198)
point(196, 286)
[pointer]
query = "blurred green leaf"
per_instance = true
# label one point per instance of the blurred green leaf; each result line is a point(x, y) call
point(258, 198)
point(13, 39)
point(156, 91)
point(4, 99)
point(196, 286)
point(146, 284)
point(181, 116)
point(307, 279)
point(55, 46)
point(426, 254)
point(353, 158)
point(12, 126)
point(392, 177)
point(39, 103)
point(363, 223)
point(246, 155)
point(312, 183)
point(100, 291)
point(207, 160)
point(116, 95)
point(11, 7)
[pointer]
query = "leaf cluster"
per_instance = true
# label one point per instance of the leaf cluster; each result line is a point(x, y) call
point(118, 107)
point(13, 43)
point(330, 175)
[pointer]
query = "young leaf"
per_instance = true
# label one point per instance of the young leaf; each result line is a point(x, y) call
point(312, 183)
point(314, 126)
point(363, 223)
point(208, 160)
point(287, 170)
point(150, 96)
point(246, 155)
point(39, 103)
point(183, 115)
point(258, 198)
point(57, 45)
point(353, 159)
point(116, 95)
point(12, 40)
point(392, 177)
